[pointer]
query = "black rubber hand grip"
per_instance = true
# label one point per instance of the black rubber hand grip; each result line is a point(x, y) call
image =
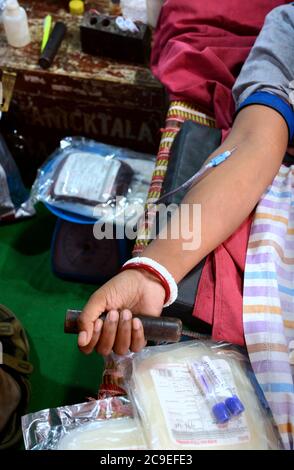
point(155, 328)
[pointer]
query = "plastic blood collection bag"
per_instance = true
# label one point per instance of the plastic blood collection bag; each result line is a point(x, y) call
point(119, 434)
point(176, 412)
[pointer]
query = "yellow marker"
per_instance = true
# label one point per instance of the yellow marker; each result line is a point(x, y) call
point(46, 31)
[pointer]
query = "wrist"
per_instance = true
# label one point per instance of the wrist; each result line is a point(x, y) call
point(158, 274)
point(145, 280)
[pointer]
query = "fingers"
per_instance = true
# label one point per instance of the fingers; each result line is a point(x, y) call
point(98, 325)
point(121, 333)
point(108, 334)
point(138, 340)
point(87, 319)
point(124, 333)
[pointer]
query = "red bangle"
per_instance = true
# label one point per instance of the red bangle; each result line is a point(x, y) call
point(155, 273)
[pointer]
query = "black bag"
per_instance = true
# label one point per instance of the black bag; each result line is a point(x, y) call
point(76, 255)
point(192, 146)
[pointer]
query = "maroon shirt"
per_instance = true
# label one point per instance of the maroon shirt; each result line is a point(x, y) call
point(200, 47)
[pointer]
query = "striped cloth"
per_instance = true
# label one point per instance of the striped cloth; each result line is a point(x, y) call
point(268, 304)
point(178, 113)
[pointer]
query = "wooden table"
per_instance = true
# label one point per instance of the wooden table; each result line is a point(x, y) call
point(95, 97)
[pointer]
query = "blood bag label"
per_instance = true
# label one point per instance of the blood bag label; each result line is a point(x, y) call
point(187, 414)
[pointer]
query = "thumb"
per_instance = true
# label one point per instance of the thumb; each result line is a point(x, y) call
point(93, 309)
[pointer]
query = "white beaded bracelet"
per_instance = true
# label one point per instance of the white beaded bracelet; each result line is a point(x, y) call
point(161, 271)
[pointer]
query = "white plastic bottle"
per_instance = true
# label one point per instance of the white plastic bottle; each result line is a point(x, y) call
point(15, 23)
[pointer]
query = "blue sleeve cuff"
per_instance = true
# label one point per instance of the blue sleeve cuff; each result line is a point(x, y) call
point(275, 102)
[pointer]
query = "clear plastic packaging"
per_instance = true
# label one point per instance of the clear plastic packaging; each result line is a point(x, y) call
point(136, 10)
point(117, 434)
point(95, 180)
point(2, 6)
point(176, 412)
point(117, 372)
point(218, 393)
point(13, 195)
point(97, 424)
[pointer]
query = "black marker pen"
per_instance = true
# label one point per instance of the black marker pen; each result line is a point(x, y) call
point(52, 46)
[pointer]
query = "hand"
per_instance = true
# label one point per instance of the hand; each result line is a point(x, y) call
point(132, 290)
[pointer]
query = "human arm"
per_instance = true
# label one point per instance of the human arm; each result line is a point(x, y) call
point(227, 195)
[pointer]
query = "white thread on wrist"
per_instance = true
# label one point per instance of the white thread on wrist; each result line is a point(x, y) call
point(163, 271)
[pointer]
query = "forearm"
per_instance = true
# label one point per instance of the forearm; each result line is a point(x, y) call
point(229, 193)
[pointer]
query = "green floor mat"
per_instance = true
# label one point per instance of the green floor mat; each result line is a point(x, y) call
point(62, 375)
